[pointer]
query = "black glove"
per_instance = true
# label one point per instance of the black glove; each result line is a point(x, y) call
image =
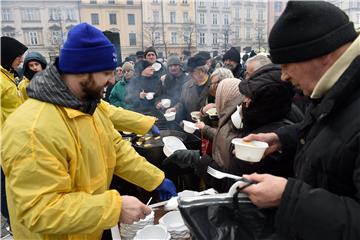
point(183, 158)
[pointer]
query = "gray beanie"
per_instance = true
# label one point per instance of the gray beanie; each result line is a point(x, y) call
point(173, 60)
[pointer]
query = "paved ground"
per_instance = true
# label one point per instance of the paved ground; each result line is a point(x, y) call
point(5, 235)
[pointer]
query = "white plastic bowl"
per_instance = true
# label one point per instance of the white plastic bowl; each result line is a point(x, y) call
point(153, 232)
point(195, 116)
point(171, 144)
point(170, 116)
point(165, 102)
point(172, 220)
point(249, 151)
point(189, 127)
point(150, 95)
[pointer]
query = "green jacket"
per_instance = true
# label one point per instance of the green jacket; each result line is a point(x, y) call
point(117, 95)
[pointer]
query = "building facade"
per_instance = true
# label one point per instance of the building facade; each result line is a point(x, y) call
point(169, 26)
point(121, 20)
point(41, 27)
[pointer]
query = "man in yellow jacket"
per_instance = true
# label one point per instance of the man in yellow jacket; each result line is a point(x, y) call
point(61, 150)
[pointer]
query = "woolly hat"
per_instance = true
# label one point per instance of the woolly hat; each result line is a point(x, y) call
point(87, 50)
point(204, 54)
point(150, 49)
point(232, 54)
point(139, 54)
point(309, 29)
point(141, 65)
point(194, 62)
point(173, 60)
point(10, 49)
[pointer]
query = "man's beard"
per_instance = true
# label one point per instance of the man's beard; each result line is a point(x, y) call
point(90, 89)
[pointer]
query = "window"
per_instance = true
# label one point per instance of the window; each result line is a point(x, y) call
point(202, 18)
point(173, 37)
point(248, 13)
point(157, 37)
point(226, 19)
point(112, 18)
point(201, 3)
point(130, 2)
point(215, 38)
point(30, 15)
point(184, 1)
point(132, 39)
point(260, 15)
point(172, 1)
point(93, 1)
point(215, 20)
point(56, 37)
point(6, 15)
point(247, 33)
point(111, 1)
point(70, 14)
point(237, 12)
point(226, 3)
point(237, 33)
point(95, 19)
point(54, 14)
point(155, 1)
point(214, 3)
point(172, 17)
point(131, 19)
point(156, 16)
point(33, 37)
point(185, 17)
point(9, 34)
point(278, 6)
point(186, 37)
point(202, 38)
point(226, 38)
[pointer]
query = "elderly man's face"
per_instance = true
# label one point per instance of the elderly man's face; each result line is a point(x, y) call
point(174, 69)
point(230, 64)
point(198, 76)
point(303, 75)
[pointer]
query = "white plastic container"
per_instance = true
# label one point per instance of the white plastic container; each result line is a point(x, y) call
point(189, 127)
point(195, 115)
point(150, 95)
point(165, 102)
point(153, 232)
point(170, 116)
point(249, 151)
point(171, 144)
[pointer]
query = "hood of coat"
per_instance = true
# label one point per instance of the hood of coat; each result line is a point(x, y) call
point(33, 56)
point(10, 49)
point(48, 86)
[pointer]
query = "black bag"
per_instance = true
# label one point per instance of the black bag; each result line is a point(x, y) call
point(224, 217)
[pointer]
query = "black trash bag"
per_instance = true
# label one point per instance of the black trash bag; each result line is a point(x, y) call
point(223, 217)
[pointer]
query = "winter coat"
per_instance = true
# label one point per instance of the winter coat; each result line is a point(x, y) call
point(59, 162)
point(170, 87)
point(191, 100)
point(118, 92)
point(323, 200)
point(22, 88)
point(10, 94)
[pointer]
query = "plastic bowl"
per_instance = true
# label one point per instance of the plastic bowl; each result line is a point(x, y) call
point(171, 144)
point(152, 232)
point(249, 151)
point(195, 116)
point(150, 95)
point(165, 102)
point(189, 127)
point(170, 116)
point(172, 220)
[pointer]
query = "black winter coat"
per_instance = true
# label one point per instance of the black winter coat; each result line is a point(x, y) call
point(323, 200)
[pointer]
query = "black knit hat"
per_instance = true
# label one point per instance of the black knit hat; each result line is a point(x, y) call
point(10, 49)
point(232, 54)
point(194, 62)
point(150, 49)
point(309, 29)
point(141, 65)
point(139, 54)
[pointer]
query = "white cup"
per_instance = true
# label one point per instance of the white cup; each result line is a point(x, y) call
point(165, 102)
point(249, 151)
point(150, 95)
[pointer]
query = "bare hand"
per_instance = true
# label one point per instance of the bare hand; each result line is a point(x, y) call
point(142, 94)
point(268, 190)
point(207, 107)
point(271, 138)
point(133, 210)
point(200, 125)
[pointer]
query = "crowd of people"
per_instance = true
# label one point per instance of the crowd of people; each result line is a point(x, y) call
point(60, 125)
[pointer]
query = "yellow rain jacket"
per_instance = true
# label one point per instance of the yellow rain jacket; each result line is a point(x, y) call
point(59, 167)
point(10, 95)
point(22, 88)
point(130, 121)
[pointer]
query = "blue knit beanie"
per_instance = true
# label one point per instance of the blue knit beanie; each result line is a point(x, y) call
point(87, 50)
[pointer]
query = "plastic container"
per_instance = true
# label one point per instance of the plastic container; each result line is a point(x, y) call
point(153, 232)
point(189, 127)
point(249, 151)
point(195, 116)
point(171, 144)
point(170, 116)
point(150, 95)
point(165, 102)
